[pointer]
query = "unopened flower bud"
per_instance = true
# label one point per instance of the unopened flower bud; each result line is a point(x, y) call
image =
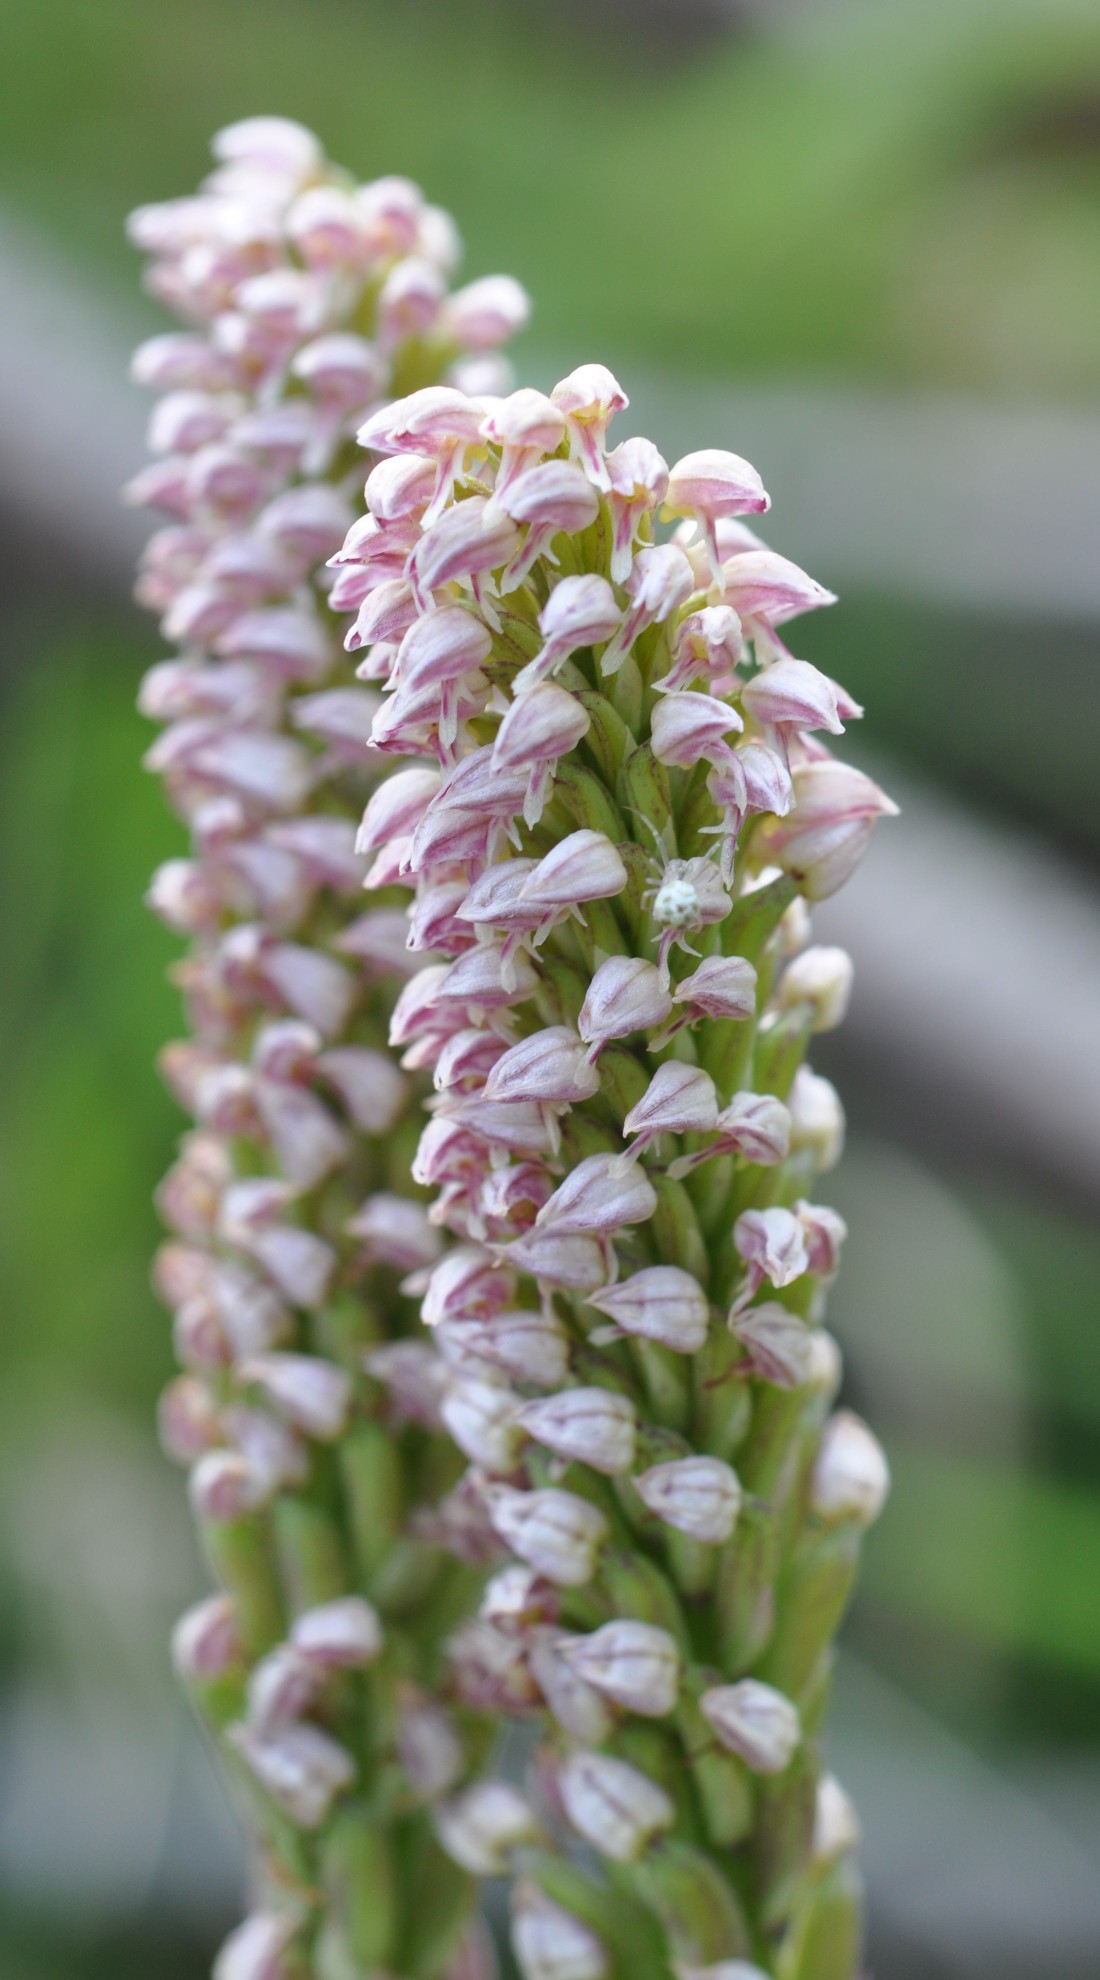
point(699, 1496)
point(721, 987)
point(409, 301)
point(428, 1747)
point(572, 1260)
point(634, 1663)
point(680, 1099)
point(480, 1828)
point(257, 1949)
point(518, 1598)
point(594, 1426)
point(826, 1368)
point(821, 978)
point(465, 1284)
point(817, 1119)
point(611, 1805)
point(543, 724)
point(312, 1393)
point(302, 1769)
point(551, 1066)
point(721, 1969)
point(527, 1347)
point(555, 1532)
point(280, 1688)
point(344, 1634)
point(551, 1943)
point(836, 1825)
point(483, 1420)
point(223, 1486)
point(757, 1126)
point(851, 1477)
point(584, 866)
point(824, 1231)
point(342, 369)
point(397, 807)
point(206, 1642)
point(490, 1669)
point(274, 1452)
point(189, 1197)
point(754, 1721)
point(396, 1232)
point(572, 1701)
point(487, 312)
point(188, 1419)
point(777, 1344)
point(772, 1244)
point(660, 1303)
point(277, 146)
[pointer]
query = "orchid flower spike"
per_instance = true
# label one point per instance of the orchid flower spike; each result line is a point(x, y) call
point(303, 299)
point(620, 1268)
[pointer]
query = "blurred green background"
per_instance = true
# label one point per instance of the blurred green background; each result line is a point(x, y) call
point(891, 199)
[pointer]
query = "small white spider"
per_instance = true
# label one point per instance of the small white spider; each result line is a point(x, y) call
point(688, 894)
point(683, 894)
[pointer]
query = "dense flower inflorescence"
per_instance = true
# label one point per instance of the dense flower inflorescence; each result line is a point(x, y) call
point(306, 1413)
point(613, 799)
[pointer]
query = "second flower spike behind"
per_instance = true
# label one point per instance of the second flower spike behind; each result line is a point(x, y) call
point(618, 809)
point(307, 1409)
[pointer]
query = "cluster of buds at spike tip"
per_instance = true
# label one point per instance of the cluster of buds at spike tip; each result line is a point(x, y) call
point(309, 304)
point(614, 793)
